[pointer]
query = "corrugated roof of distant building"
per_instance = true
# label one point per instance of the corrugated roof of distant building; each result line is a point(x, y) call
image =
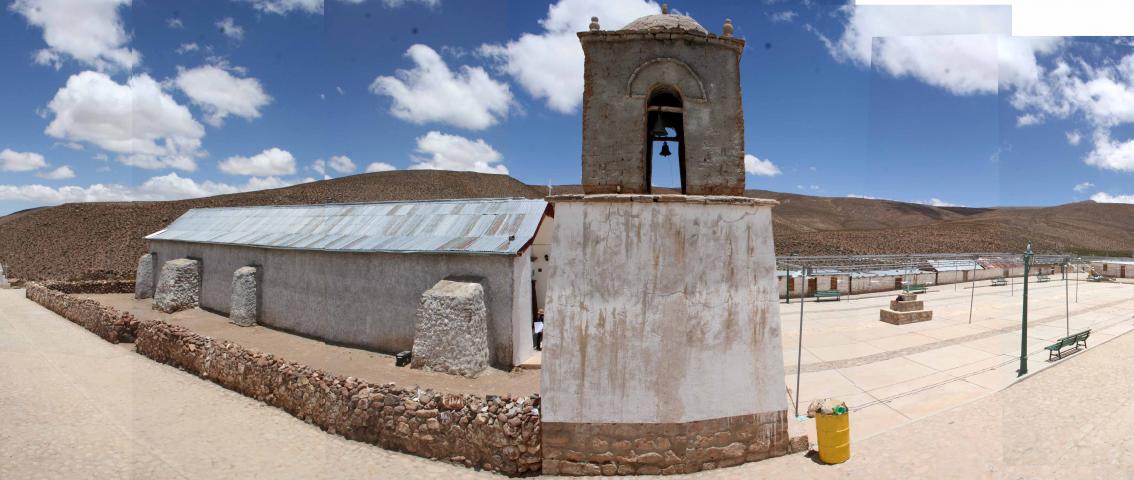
point(466, 226)
point(954, 265)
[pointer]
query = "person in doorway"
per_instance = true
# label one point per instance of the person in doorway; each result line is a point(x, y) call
point(537, 330)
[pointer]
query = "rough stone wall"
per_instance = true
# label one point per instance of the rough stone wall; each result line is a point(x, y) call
point(614, 110)
point(245, 307)
point(499, 434)
point(653, 448)
point(179, 286)
point(452, 329)
point(108, 323)
point(144, 278)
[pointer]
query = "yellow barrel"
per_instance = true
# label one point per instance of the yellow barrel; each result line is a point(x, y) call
point(834, 437)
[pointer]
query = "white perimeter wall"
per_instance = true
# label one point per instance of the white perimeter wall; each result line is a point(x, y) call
point(661, 313)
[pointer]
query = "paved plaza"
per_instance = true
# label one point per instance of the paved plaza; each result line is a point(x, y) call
point(78, 407)
point(891, 374)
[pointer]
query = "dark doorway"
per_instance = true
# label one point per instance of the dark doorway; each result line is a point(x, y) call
point(665, 140)
point(834, 283)
point(812, 286)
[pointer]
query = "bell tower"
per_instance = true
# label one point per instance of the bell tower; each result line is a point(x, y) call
point(662, 343)
point(662, 87)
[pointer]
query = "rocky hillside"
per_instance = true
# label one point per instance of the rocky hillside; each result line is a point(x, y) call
point(103, 240)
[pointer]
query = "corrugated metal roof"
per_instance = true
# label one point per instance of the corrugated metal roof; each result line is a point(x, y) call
point(954, 265)
point(476, 226)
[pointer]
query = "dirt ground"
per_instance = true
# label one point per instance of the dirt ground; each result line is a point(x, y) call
point(351, 362)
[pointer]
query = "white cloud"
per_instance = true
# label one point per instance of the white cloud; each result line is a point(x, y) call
point(1103, 197)
point(937, 202)
point(165, 187)
point(220, 94)
point(380, 167)
point(341, 164)
point(13, 161)
point(1109, 154)
point(187, 47)
point(230, 29)
point(439, 151)
point(963, 49)
point(89, 31)
point(174, 23)
point(1074, 137)
point(1083, 187)
point(783, 17)
point(44, 195)
point(864, 197)
point(549, 65)
point(431, 92)
point(137, 120)
point(1028, 119)
point(764, 168)
point(399, 3)
point(281, 7)
point(272, 161)
point(61, 173)
point(338, 163)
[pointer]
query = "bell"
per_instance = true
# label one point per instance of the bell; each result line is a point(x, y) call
point(665, 149)
point(659, 128)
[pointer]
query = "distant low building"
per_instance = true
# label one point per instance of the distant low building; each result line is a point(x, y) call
point(354, 274)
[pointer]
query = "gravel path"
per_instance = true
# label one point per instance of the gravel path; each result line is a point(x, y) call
point(74, 406)
point(77, 407)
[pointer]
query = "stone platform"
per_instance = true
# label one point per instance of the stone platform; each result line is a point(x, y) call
point(907, 309)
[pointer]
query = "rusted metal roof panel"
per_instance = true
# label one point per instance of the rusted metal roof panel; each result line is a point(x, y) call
point(474, 226)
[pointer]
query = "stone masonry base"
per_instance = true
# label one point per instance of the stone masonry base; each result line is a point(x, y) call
point(902, 318)
point(663, 448)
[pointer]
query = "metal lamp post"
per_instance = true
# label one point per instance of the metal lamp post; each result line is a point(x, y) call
point(1024, 319)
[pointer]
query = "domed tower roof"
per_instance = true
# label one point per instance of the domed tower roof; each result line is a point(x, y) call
point(665, 21)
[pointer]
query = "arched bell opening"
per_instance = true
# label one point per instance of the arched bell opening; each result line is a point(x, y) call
point(665, 140)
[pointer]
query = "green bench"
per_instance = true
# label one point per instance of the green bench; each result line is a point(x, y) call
point(828, 294)
point(1043, 278)
point(915, 288)
point(1075, 341)
point(999, 282)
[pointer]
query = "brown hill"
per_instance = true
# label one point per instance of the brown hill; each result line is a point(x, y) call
point(100, 240)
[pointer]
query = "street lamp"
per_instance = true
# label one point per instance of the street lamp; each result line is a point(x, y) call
point(1024, 319)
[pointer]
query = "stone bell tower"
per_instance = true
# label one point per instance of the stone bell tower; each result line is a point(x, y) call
point(662, 78)
point(662, 348)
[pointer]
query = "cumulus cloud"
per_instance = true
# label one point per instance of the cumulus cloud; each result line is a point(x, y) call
point(187, 47)
point(864, 197)
point(1082, 187)
point(549, 65)
point(165, 187)
point(380, 167)
point(230, 29)
point(1103, 197)
point(13, 161)
point(431, 92)
point(399, 3)
point(221, 94)
point(174, 23)
point(281, 7)
point(1109, 154)
point(272, 161)
point(89, 31)
point(337, 163)
point(937, 202)
point(963, 49)
point(137, 120)
point(785, 16)
point(764, 168)
point(440, 151)
point(61, 173)
point(1074, 137)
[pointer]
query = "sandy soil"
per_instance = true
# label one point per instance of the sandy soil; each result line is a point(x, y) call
point(351, 362)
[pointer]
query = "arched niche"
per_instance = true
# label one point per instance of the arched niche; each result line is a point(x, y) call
point(666, 71)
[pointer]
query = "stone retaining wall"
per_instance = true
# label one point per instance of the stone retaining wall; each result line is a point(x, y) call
point(498, 433)
point(108, 323)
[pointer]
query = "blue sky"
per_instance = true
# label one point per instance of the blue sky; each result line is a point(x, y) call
point(161, 100)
